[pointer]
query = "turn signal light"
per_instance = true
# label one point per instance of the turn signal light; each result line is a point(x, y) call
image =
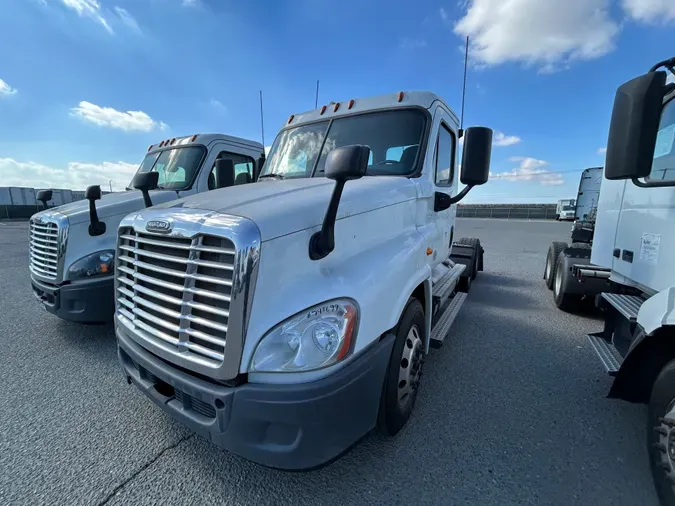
point(193, 138)
point(400, 96)
point(323, 109)
point(336, 107)
point(350, 104)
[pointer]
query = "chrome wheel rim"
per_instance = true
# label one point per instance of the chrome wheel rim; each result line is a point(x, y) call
point(410, 366)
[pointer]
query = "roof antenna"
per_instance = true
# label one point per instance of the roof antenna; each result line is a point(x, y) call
point(262, 122)
point(316, 97)
point(466, 61)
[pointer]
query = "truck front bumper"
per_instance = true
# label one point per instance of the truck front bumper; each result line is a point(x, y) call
point(89, 301)
point(292, 427)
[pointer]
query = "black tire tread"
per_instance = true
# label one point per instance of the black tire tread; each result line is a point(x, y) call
point(554, 251)
point(568, 302)
point(663, 393)
point(478, 259)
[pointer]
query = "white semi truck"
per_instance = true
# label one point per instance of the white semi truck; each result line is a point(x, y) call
point(564, 209)
point(72, 247)
point(585, 210)
point(284, 320)
point(633, 255)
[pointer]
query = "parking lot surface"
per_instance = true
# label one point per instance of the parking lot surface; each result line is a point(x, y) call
point(512, 410)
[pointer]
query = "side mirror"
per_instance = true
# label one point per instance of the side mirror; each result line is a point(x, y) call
point(634, 126)
point(476, 156)
point(146, 181)
point(92, 194)
point(224, 172)
point(44, 196)
point(347, 163)
point(342, 165)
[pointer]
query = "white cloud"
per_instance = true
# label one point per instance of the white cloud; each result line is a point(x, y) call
point(217, 105)
point(75, 176)
point(6, 89)
point(127, 19)
point(670, 79)
point(90, 9)
point(530, 169)
point(267, 150)
point(107, 116)
point(190, 3)
point(549, 34)
point(411, 43)
point(650, 11)
point(601, 151)
point(499, 139)
point(443, 13)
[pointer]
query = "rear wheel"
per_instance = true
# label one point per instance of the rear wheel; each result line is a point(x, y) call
point(570, 302)
point(404, 371)
point(554, 251)
point(478, 257)
point(661, 434)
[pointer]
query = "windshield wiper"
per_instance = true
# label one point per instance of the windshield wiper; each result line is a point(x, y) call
point(271, 174)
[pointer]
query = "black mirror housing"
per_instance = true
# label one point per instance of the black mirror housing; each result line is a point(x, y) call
point(145, 181)
point(224, 172)
point(634, 126)
point(44, 196)
point(347, 163)
point(93, 192)
point(476, 156)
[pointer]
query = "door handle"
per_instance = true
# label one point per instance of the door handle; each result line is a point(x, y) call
point(627, 256)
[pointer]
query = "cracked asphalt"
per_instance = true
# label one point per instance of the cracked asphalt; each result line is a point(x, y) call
point(512, 410)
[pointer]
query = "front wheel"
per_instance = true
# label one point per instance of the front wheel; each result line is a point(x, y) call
point(404, 371)
point(661, 434)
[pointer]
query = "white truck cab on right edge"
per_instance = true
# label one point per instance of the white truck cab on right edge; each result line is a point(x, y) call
point(634, 254)
point(285, 319)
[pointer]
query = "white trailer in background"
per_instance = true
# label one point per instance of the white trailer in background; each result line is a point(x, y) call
point(633, 258)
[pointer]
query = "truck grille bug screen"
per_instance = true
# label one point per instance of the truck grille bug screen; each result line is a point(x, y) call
point(44, 249)
point(177, 290)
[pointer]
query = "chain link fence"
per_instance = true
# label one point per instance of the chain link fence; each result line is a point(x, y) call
point(506, 212)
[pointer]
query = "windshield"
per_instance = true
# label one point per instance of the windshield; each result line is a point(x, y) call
point(663, 167)
point(393, 137)
point(568, 208)
point(176, 167)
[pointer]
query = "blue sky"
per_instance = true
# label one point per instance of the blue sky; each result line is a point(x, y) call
point(87, 85)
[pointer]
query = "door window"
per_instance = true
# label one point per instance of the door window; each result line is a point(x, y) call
point(663, 167)
point(242, 165)
point(445, 157)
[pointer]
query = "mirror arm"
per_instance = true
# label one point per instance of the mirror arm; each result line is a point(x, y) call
point(323, 241)
point(96, 227)
point(460, 195)
point(146, 198)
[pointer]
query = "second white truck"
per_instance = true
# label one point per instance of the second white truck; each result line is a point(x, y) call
point(285, 319)
point(72, 247)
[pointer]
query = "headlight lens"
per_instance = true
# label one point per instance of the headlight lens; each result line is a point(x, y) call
point(100, 263)
point(317, 337)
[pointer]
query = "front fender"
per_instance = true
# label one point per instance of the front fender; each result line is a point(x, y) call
point(658, 311)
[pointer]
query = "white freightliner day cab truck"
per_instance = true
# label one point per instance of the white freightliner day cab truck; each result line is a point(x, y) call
point(579, 251)
point(564, 209)
point(286, 319)
point(72, 247)
point(634, 250)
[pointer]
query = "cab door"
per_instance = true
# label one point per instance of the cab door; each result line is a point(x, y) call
point(444, 179)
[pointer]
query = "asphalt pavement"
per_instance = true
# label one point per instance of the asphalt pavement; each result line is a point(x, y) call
point(512, 410)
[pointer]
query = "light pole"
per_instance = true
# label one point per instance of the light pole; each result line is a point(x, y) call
point(110, 183)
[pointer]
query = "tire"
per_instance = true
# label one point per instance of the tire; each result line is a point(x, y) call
point(581, 245)
point(407, 357)
point(554, 251)
point(569, 302)
point(557, 217)
point(477, 259)
point(661, 434)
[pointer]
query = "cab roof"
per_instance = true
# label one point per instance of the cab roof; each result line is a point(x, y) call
point(424, 99)
point(203, 139)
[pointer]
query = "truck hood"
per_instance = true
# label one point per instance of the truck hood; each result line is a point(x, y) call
point(112, 204)
point(283, 207)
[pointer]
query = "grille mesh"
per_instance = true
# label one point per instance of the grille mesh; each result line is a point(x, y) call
point(44, 249)
point(177, 290)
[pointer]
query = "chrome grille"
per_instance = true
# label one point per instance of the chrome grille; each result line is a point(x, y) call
point(177, 290)
point(44, 249)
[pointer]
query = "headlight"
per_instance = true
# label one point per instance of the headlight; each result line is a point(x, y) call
point(317, 337)
point(100, 263)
